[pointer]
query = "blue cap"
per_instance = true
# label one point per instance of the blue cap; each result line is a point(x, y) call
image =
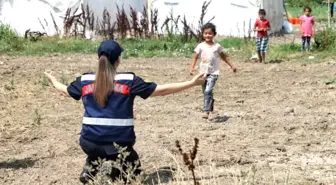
point(111, 49)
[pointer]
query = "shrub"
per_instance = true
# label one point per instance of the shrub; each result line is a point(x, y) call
point(9, 39)
point(325, 39)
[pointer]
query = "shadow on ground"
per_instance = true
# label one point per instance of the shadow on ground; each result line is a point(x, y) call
point(162, 175)
point(18, 163)
point(275, 61)
point(220, 119)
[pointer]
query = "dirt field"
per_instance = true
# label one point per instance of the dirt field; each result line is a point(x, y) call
point(275, 124)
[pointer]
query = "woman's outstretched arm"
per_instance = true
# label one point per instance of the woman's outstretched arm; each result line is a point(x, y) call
point(162, 90)
point(59, 86)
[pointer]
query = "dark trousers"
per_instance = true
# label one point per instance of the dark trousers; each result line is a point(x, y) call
point(107, 151)
point(332, 9)
point(305, 43)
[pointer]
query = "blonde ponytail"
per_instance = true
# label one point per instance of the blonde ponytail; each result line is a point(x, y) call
point(103, 85)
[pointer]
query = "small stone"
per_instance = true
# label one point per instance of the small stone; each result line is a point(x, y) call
point(289, 110)
point(332, 62)
point(1, 62)
point(240, 101)
point(281, 149)
point(311, 57)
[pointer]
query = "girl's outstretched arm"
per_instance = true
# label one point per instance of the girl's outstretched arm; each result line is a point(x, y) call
point(59, 86)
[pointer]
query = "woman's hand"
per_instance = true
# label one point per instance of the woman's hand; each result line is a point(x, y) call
point(59, 86)
point(51, 77)
point(198, 79)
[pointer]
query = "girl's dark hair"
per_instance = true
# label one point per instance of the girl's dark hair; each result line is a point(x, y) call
point(103, 85)
point(307, 8)
point(209, 26)
point(262, 12)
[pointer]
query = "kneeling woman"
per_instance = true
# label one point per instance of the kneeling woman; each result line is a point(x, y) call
point(108, 98)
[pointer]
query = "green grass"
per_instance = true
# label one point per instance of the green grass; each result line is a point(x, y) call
point(284, 52)
point(160, 47)
point(236, 43)
point(164, 47)
point(55, 45)
point(330, 81)
point(238, 48)
point(147, 48)
point(11, 44)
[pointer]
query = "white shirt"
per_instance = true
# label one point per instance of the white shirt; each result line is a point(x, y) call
point(209, 55)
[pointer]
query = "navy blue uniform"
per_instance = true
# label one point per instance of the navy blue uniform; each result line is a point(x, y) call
point(114, 123)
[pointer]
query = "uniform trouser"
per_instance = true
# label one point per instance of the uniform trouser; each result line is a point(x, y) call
point(305, 43)
point(207, 88)
point(95, 151)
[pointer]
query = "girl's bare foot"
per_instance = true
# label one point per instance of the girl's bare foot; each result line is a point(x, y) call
point(205, 115)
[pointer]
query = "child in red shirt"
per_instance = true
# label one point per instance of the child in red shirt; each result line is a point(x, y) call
point(262, 25)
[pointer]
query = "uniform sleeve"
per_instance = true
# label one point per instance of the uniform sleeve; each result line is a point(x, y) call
point(75, 89)
point(142, 88)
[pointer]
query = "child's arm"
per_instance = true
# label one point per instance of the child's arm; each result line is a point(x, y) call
point(313, 26)
point(227, 59)
point(256, 27)
point(59, 86)
point(193, 63)
point(269, 26)
point(301, 29)
point(313, 29)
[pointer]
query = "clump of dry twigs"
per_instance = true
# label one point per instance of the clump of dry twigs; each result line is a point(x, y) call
point(188, 31)
point(34, 35)
point(106, 26)
point(201, 21)
point(189, 158)
point(121, 24)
